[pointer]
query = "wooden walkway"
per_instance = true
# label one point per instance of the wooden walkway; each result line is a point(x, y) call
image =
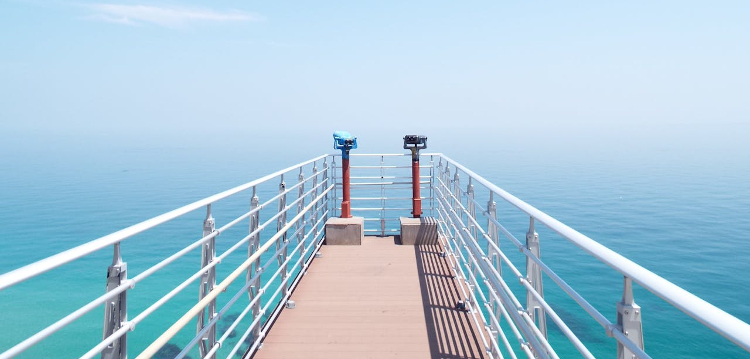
point(377, 300)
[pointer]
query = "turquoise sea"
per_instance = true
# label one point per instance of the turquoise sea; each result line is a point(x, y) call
point(679, 208)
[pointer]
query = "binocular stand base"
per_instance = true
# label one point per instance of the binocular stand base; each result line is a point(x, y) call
point(416, 231)
point(345, 231)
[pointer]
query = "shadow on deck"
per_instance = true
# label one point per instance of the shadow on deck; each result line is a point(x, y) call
point(450, 332)
point(376, 300)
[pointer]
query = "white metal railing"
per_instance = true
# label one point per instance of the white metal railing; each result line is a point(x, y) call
point(470, 234)
point(381, 186)
point(492, 298)
point(296, 240)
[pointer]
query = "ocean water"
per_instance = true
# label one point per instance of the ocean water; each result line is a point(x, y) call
point(684, 215)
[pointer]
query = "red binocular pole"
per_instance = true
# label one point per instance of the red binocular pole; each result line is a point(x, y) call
point(415, 143)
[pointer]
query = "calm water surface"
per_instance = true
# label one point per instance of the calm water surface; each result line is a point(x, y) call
point(684, 216)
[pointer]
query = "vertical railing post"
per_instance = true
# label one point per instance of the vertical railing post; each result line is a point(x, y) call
point(432, 185)
point(629, 320)
point(335, 188)
point(316, 207)
point(382, 196)
point(282, 241)
point(327, 182)
point(447, 181)
point(445, 192)
point(207, 283)
point(492, 231)
point(437, 191)
point(472, 209)
point(255, 268)
point(115, 310)
point(300, 206)
point(457, 193)
point(534, 275)
point(445, 188)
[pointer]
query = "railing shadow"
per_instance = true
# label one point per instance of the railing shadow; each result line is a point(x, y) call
point(449, 330)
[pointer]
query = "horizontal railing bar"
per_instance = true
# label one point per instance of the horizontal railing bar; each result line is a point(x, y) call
point(622, 338)
point(381, 183)
point(569, 290)
point(381, 198)
point(460, 274)
point(387, 177)
point(474, 299)
point(34, 269)
point(454, 263)
point(260, 228)
point(244, 288)
point(359, 154)
point(379, 209)
point(270, 300)
point(289, 189)
point(231, 328)
point(46, 332)
point(355, 154)
point(294, 284)
point(271, 259)
point(156, 305)
point(172, 331)
point(559, 281)
point(379, 166)
point(502, 297)
point(525, 346)
point(132, 282)
point(280, 305)
point(264, 267)
point(391, 188)
point(385, 198)
point(198, 336)
point(394, 188)
point(243, 338)
point(704, 312)
point(519, 315)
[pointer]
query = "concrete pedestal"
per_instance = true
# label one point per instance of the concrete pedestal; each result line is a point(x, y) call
point(345, 231)
point(416, 231)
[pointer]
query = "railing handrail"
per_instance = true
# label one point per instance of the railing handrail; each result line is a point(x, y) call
point(221, 287)
point(355, 154)
point(41, 266)
point(706, 313)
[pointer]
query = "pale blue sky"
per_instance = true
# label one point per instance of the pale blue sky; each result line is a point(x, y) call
point(566, 74)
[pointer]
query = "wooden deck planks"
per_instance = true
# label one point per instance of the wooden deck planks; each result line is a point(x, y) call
point(377, 300)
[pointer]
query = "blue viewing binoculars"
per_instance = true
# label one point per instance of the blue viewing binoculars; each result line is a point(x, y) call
point(344, 141)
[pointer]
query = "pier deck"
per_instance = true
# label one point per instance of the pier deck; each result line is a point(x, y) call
point(376, 300)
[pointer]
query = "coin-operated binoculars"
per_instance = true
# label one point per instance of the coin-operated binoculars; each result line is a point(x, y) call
point(415, 143)
point(345, 142)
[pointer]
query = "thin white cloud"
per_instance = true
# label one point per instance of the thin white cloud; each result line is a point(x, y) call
point(112, 19)
point(163, 16)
